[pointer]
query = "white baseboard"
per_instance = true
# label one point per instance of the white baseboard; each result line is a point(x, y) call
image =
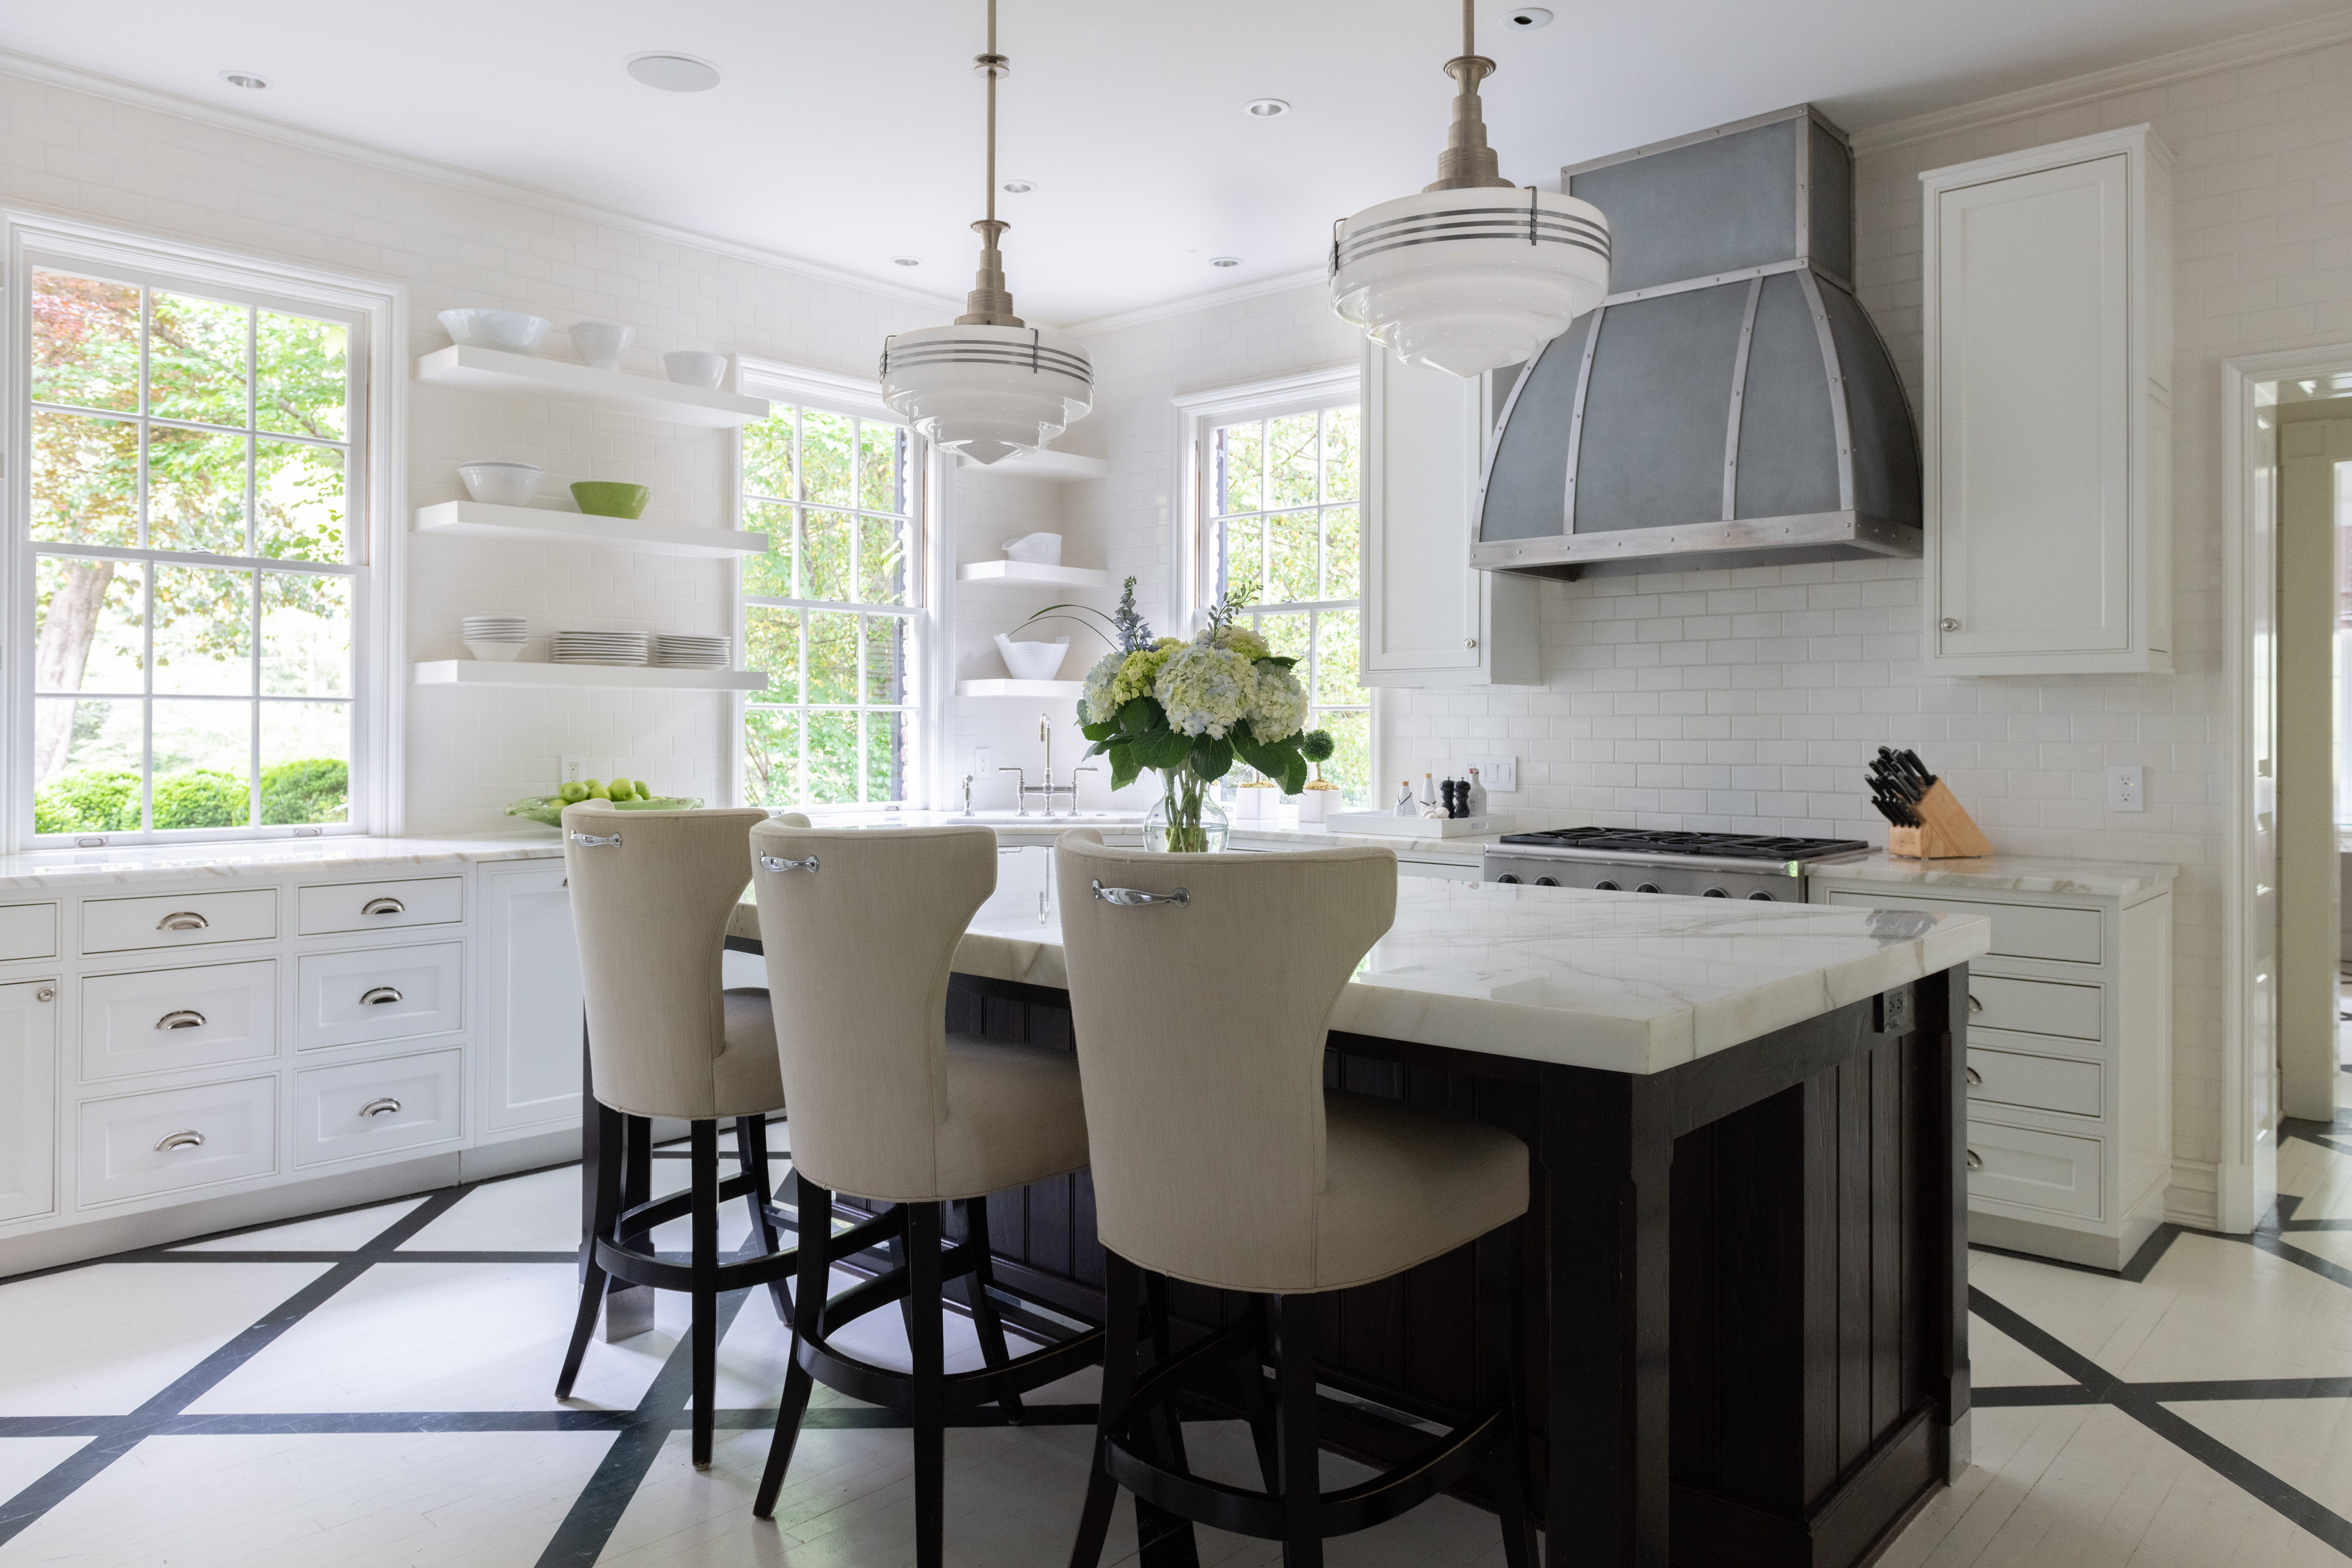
point(2194, 1197)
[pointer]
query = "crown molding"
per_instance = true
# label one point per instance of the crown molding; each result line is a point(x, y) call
point(50, 73)
point(2222, 54)
point(1187, 303)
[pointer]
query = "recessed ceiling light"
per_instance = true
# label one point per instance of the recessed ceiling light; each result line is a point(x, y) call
point(244, 80)
point(1019, 187)
point(1266, 108)
point(906, 261)
point(1224, 261)
point(1528, 18)
point(673, 73)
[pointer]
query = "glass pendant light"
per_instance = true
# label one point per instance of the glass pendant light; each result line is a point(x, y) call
point(1471, 273)
point(991, 384)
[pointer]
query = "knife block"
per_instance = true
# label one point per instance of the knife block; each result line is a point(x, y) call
point(1945, 832)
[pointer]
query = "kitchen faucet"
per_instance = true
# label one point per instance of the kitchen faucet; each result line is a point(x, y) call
point(1024, 789)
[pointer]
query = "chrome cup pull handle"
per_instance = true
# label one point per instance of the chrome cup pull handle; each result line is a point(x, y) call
point(1136, 898)
point(384, 1107)
point(191, 1139)
point(379, 996)
point(778, 863)
point(593, 841)
point(383, 906)
point(1975, 1005)
point(1976, 1161)
point(183, 920)
point(181, 1019)
point(1975, 1078)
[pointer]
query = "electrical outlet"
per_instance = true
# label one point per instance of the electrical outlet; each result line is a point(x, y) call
point(575, 770)
point(2126, 788)
point(1499, 774)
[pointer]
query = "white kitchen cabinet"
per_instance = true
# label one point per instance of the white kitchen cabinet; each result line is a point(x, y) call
point(1430, 619)
point(2047, 315)
point(29, 1103)
point(527, 1032)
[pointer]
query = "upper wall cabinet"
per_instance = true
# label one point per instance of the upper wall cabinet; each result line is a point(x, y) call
point(1430, 619)
point(2048, 315)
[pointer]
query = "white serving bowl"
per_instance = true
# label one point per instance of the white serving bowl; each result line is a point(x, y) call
point(1035, 549)
point(494, 652)
point(690, 367)
point(516, 331)
point(601, 344)
point(501, 484)
point(1032, 660)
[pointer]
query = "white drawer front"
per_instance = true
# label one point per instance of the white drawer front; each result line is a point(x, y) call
point(2036, 1007)
point(380, 906)
point(378, 993)
point(179, 920)
point(2039, 1170)
point(2038, 1082)
point(164, 1019)
point(27, 931)
point(366, 1107)
point(177, 1138)
point(2019, 930)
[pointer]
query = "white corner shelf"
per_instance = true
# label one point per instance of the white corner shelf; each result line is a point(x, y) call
point(1045, 464)
point(586, 677)
point(479, 520)
point(1032, 574)
point(1066, 690)
point(493, 370)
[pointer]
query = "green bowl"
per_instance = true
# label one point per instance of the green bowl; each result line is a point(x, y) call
point(549, 808)
point(603, 498)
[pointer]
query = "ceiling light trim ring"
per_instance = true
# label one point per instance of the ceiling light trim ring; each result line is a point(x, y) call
point(908, 359)
point(1452, 239)
point(1513, 213)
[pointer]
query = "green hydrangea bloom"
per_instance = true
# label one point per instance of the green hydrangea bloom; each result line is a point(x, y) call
point(1205, 690)
point(1278, 704)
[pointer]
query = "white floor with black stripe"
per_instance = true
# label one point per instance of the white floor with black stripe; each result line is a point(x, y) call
point(373, 1388)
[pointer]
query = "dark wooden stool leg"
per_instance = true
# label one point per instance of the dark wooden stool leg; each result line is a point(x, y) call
point(929, 1415)
point(815, 1237)
point(1119, 1308)
point(1264, 1435)
point(1302, 1484)
point(629, 1308)
point(600, 1181)
point(752, 1159)
point(1164, 1540)
point(1502, 1358)
point(985, 1321)
point(703, 1146)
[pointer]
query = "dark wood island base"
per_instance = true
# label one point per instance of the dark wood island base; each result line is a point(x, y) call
point(1746, 1281)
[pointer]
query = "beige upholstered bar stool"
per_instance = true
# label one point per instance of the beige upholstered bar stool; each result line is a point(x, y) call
point(860, 931)
point(1201, 992)
point(651, 892)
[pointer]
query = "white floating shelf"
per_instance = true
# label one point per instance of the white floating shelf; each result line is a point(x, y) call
point(1030, 573)
point(479, 520)
point(586, 677)
point(1070, 689)
point(493, 370)
point(1048, 464)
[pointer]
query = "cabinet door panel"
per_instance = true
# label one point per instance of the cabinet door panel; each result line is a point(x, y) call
point(28, 1108)
point(1422, 454)
point(530, 1001)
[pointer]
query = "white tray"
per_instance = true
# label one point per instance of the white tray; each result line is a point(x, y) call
point(1385, 824)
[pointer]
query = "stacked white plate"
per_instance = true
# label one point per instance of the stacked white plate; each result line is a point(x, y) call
point(602, 648)
point(673, 652)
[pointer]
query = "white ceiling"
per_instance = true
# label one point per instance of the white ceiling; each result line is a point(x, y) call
point(848, 133)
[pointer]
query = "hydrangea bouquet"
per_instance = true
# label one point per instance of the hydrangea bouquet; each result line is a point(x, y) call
point(1188, 711)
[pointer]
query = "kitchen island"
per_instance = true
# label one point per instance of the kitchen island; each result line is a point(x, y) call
point(1745, 1254)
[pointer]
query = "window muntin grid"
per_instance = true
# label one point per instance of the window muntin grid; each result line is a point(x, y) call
point(1285, 525)
point(193, 550)
point(831, 611)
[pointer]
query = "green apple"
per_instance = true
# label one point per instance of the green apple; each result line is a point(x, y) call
point(596, 791)
point(621, 789)
point(644, 791)
point(573, 792)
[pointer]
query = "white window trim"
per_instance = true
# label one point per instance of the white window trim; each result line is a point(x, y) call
point(379, 642)
point(931, 672)
point(1189, 578)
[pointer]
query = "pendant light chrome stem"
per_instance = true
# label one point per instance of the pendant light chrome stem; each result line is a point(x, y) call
point(990, 303)
point(1467, 162)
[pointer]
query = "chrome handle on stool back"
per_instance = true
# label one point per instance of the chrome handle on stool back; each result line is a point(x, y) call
point(596, 841)
point(1136, 898)
point(778, 863)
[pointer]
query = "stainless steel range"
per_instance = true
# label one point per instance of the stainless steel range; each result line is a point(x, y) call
point(1697, 865)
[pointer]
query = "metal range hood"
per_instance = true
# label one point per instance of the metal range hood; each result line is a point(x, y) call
point(1729, 403)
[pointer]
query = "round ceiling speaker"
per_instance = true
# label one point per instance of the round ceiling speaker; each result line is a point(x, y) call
point(673, 73)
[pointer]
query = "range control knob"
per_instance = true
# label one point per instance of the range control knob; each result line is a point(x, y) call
point(1506, 876)
point(1714, 894)
point(1649, 888)
point(1607, 888)
point(1547, 881)
point(1762, 899)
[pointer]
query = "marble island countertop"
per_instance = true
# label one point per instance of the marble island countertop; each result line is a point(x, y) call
point(1623, 981)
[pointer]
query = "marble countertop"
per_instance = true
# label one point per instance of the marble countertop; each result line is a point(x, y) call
point(46, 868)
point(1621, 982)
point(2012, 874)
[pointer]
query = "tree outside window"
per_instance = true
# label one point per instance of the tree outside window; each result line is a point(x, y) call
point(195, 569)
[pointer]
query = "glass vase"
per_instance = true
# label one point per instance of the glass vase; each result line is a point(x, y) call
point(1186, 819)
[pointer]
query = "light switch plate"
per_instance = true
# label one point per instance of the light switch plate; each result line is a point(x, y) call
point(2126, 788)
point(1499, 774)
